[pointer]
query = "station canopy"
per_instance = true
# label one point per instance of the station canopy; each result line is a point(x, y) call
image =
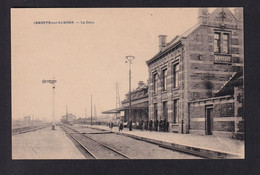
point(113, 111)
point(143, 106)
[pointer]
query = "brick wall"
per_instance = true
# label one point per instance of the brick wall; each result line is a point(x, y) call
point(219, 111)
point(223, 110)
point(197, 125)
point(224, 126)
point(197, 111)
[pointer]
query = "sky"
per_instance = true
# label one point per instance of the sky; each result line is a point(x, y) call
point(85, 59)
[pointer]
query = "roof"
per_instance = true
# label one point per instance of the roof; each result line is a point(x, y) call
point(139, 88)
point(113, 111)
point(177, 39)
point(174, 41)
point(134, 106)
point(228, 88)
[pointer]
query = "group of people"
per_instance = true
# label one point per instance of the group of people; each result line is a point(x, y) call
point(161, 126)
point(111, 125)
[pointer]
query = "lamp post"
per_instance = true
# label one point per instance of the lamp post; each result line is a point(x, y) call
point(129, 60)
point(53, 81)
point(91, 112)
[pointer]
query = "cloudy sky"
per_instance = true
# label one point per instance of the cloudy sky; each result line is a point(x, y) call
point(84, 58)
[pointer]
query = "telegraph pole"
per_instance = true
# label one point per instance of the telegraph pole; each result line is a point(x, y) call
point(117, 99)
point(129, 60)
point(91, 111)
point(85, 112)
point(53, 81)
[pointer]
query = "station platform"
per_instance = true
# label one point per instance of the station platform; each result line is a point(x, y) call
point(44, 144)
point(208, 145)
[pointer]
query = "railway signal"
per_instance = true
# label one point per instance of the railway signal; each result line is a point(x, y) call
point(53, 81)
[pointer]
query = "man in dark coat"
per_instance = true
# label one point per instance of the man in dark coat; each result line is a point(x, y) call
point(160, 125)
point(130, 125)
point(146, 125)
point(120, 126)
point(167, 126)
point(164, 124)
point(156, 125)
point(141, 124)
point(151, 125)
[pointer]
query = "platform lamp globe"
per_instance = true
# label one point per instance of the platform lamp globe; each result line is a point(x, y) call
point(53, 81)
point(129, 60)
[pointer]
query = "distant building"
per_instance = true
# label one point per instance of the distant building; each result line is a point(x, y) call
point(68, 118)
point(27, 119)
point(196, 79)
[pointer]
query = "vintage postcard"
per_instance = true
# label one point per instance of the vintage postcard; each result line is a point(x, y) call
point(127, 83)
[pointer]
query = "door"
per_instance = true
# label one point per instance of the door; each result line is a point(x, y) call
point(209, 120)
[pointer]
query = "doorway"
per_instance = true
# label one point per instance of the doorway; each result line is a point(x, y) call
point(209, 120)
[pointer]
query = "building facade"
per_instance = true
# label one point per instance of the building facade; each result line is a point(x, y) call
point(188, 73)
point(68, 118)
point(139, 106)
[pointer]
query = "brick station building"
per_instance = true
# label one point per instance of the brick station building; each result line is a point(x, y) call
point(196, 79)
point(139, 104)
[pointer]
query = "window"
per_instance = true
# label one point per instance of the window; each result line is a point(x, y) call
point(225, 43)
point(164, 73)
point(217, 42)
point(175, 111)
point(176, 75)
point(221, 43)
point(155, 86)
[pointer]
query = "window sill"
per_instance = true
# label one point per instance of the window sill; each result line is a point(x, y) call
point(222, 54)
point(175, 124)
point(165, 91)
point(176, 88)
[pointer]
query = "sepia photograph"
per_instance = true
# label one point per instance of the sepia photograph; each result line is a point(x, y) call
point(127, 83)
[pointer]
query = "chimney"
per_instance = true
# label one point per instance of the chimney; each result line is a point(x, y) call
point(140, 84)
point(203, 15)
point(162, 42)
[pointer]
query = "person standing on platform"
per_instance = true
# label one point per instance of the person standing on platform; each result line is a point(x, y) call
point(164, 124)
point(120, 126)
point(146, 125)
point(160, 125)
point(167, 126)
point(130, 125)
point(156, 125)
point(151, 125)
point(141, 124)
point(111, 125)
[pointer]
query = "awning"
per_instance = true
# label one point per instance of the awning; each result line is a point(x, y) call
point(117, 110)
point(113, 111)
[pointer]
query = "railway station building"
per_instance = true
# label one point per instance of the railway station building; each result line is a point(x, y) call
point(139, 105)
point(196, 79)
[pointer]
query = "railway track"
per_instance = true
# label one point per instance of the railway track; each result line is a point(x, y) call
point(22, 130)
point(93, 149)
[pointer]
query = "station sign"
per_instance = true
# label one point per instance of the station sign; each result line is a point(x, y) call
point(222, 59)
point(122, 113)
point(49, 81)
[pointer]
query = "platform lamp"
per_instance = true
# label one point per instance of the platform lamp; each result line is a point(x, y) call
point(129, 60)
point(53, 81)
